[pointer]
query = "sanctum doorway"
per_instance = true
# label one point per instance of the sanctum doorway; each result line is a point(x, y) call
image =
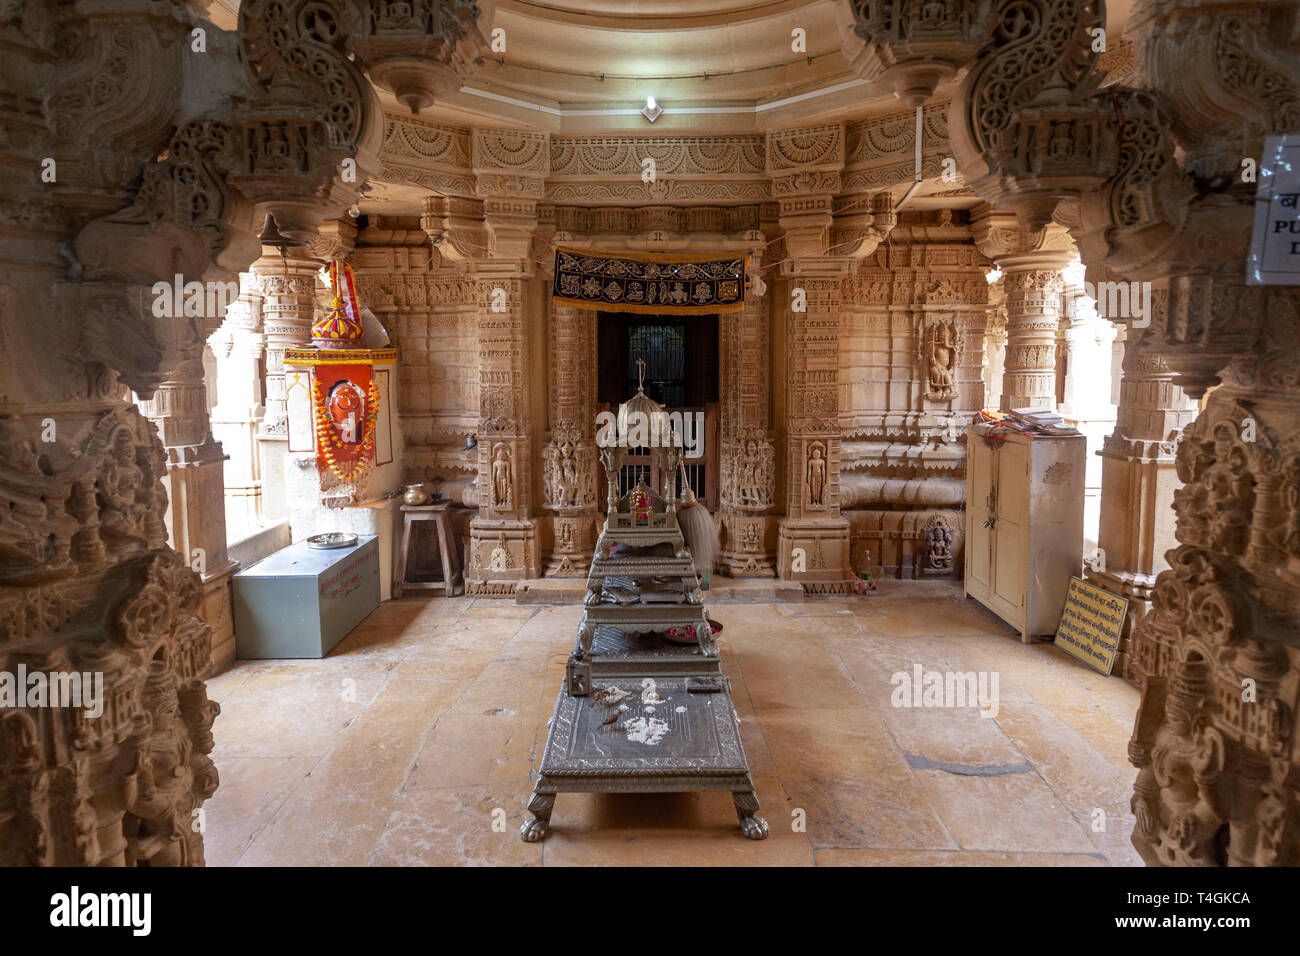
point(681, 373)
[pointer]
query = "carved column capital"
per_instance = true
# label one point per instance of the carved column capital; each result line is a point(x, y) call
point(1003, 237)
point(336, 239)
point(804, 164)
point(456, 227)
point(510, 168)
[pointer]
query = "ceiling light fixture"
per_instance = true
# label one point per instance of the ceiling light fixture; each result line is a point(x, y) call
point(652, 109)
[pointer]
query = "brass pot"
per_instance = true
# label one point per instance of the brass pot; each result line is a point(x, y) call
point(415, 495)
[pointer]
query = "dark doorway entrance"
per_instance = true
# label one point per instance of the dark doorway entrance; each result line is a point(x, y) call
point(681, 374)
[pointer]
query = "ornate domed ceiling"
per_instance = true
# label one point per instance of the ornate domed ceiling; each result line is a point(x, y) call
point(731, 65)
point(584, 68)
point(587, 66)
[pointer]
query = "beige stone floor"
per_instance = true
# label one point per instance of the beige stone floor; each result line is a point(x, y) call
point(422, 728)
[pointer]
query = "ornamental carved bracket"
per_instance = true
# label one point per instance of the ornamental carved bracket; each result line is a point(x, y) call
point(1026, 128)
point(911, 46)
point(291, 126)
point(421, 50)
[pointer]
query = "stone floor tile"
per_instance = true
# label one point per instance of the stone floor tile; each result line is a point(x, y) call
point(252, 789)
point(335, 816)
point(459, 826)
point(1015, 810)
point(292, 711)
point(468, 749)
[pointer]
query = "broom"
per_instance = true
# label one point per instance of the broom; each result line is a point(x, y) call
point(699, 531)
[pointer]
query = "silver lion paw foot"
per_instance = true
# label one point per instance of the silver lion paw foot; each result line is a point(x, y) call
point(754, 827)
point(534, 831)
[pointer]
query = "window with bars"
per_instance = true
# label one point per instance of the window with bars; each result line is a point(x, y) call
point(663, 349)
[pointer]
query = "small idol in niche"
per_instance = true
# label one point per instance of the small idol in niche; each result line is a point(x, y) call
point(345, 404)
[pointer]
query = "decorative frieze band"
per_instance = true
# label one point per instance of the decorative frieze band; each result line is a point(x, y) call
point(730, 157)
point(869, 155)
point(622, 219)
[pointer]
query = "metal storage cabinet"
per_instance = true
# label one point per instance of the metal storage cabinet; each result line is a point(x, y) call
point(1024, 526)
point(301, 601)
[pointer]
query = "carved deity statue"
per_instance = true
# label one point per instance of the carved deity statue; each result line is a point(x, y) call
point(942, 361)
point(501, 478)
point(345, 411)
point(562, 476)
point(748, 467)
point(568, 473)
point(938, 554)
point(120, 484)
point(816, 475)
point(568, 470)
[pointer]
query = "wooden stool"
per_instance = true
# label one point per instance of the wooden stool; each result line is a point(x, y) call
point(438, 514)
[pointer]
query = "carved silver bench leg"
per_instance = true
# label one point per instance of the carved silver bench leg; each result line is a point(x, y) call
point(540, 806)
point(586, 633)
point(751, 824)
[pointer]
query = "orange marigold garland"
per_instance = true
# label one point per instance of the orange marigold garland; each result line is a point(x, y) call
point(329, 440)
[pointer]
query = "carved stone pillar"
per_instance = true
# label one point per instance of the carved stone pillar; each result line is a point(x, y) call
point(813, 538)
point(239, 347)
point(748, 456)
point(504, 547)
point(569, 458)
point(1215, 737)
point(288, 291)
point(162, 165)
point(1031, 264)
point(1139, 479)
point(995, 346)
point(195, 516)
point(493, 239)
point(813, 542)
point(1086, 404)
point(1034, 289)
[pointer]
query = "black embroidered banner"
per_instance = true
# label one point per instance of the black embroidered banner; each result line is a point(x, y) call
point(649, 284)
